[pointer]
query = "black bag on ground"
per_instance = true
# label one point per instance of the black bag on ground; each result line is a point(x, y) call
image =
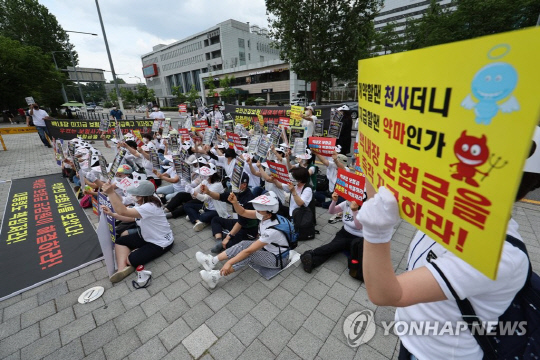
point(355, 261)
point(303, 221)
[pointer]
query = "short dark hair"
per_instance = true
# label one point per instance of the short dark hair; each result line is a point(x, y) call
point(132, 144)
point(214, 178)
point(151, 199)
point(147, 136)
point(300, 174)
point(230, 153)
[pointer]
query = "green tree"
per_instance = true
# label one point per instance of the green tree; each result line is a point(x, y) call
point(387, 40)
point(178, 94)
point(26, 71)
point(128, 96)
point(210, 85)
point(118, 81)
point(227, 92)
point(322, 38)
point(113, 96)
point(145, 94)
point(31, 24)
point(94, 91)
point(192, 95)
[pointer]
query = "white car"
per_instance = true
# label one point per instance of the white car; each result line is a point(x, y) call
point(98, 108)
point(74, 108)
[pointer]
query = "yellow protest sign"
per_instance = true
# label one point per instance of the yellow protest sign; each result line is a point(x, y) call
point(296, 114)
point(447, 129)
point(261, 119)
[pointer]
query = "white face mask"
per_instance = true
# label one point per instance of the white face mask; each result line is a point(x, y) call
point(117, 179)
point(158, 137)
point(259, 216)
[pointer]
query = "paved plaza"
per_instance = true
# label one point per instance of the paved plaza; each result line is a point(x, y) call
point(293, 316)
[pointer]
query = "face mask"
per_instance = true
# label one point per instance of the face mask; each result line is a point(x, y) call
point(154, 109)
point(117, 179)
point(158, 137)
point(259, 216)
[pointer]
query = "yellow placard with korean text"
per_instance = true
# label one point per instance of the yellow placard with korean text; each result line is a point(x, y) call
point(296, 113)
point(447, 129)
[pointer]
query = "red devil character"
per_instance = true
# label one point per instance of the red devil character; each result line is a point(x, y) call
point(471, 153)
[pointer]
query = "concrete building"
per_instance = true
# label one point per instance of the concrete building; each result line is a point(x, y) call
point(225, 46)
point(271, 80)
point(398, 11)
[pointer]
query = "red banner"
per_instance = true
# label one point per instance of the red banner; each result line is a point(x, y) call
point(201, 124)
point(350, 186)
point(234, 140)
point(284, 121)
point(182, 108)
point(279, 171)
point(184, 133)
point(321, 145)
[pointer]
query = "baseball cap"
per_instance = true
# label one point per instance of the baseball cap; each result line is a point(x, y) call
point(309, 107)
point(125, 169)
point(267, 202)
point(145, 188)
point(343, 107)
point(244, 179)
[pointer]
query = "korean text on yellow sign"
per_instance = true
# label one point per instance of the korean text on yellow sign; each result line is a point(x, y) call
point(296, 113)
point(447, 130)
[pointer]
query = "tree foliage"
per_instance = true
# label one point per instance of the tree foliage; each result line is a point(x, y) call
point(31, 24)
point(192, 95)
point(26, 71)
point(227, 92)
point(144, 94)
point(323, 38)
point(178, 94)
point(210, 85)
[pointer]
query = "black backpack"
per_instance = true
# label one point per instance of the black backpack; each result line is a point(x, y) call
point(304, 220)
point(514, 342)
point(355, 261)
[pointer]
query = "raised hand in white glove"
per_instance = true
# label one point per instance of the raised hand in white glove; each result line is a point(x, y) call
point(378, 216)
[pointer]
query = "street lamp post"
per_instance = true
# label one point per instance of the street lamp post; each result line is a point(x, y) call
point(110, 59)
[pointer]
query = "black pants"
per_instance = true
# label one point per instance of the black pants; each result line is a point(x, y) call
point(341, 242)
point(175, 204)
point(144, 251)
point(219, 224)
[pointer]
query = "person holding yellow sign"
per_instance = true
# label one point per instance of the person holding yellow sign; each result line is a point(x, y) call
point(436, 278)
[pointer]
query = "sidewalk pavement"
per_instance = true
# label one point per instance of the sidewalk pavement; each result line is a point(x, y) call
point(293, 316)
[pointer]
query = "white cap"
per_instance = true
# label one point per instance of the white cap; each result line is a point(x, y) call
point(306, 156)
point(267, 202)
point(309, 107)
point(343, 107)
point(200, 160)
point(206, 171)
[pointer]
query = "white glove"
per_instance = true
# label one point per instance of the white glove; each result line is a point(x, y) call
point(379, 216)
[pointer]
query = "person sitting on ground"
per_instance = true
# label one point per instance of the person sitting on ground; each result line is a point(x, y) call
point(167, 192)
point(155, 237)
point(337, 161)
point(423, 291)
point(266, 251)
point(352, 229)
point(236, 229)
point(207, 204)
point(301, 193)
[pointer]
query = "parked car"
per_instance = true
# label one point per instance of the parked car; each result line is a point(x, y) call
point(98, 108)
point(298, 102)
point(353, 106)
point(140, 109)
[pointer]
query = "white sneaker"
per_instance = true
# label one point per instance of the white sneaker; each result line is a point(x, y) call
point(199, 226)
point(205, 260)
point(211, 277)
point(187, 217)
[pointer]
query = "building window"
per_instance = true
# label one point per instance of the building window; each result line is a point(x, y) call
point(249, 57)
point(261, 59)
point(249, 44)
point(241, 43)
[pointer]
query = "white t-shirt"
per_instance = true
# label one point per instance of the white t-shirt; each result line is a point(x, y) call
point(253, 180)
point(279, 192)
point(269, 236)
point(216, 187)
point(348, 220)
point(154, 226)
point(38, 116)
point(309, 125)
point(157, 115)
point(331, 174)
point(222, 161)
point(306, 195)
point(489, 298)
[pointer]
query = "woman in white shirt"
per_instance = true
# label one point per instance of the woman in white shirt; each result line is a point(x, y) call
point(266, 251)
point(352, 229)
point(209, 206)
point(154, 237)
point(301, 193)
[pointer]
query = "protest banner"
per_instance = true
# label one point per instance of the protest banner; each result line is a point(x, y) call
point(45, 234)
point(262, 149)
point(116, 162)
point(253, 144)
point(138, 137)
point(350, 186)
point(186, 171)
point(279, 171)
point(103, 166)
point(238, 170)
point(173, 143)
point(29, 100)
point(209, 134)
point(228, 125)
point(154, 158)
point(184, 133)
point(322, 146)
point(296, 132)
point(156, 124)
point(104, 125)
point(256, 126)
point(299, 146)
point(90, 129)
point(335, 129)
point(118, 132)
point(103, 200)
point(449, 136)
point(166, 127)
point(200, 125)
point(318, 127)
point(275, 135)
point(182, 108)
point(285, 122)
point(234, 140)
point(296, 114)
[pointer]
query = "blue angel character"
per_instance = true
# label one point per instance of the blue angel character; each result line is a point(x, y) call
point(492, 84)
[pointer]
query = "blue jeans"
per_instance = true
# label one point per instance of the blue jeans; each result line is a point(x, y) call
point(76, 181)
point(321, 196)
point(258, 191)
point(42, 130)
point(192, 210)
point(168, 191)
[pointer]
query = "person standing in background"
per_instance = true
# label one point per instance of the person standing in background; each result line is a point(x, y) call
point(38, 117)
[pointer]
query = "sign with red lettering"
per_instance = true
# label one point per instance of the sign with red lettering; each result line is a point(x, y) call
point(279, 171)
point(285, 122)
point(45, 233)
point(322, 146)
point(184, 133)
point(200, 124)
point(234, 140)
point(350, 186)
point(182, 108)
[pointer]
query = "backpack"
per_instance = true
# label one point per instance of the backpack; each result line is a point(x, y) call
point(86, 201)
point(287, 229)
point(355, 261)
point(304, 219)
point(524, 311)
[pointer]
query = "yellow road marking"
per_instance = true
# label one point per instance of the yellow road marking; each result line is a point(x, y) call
point(531, 201)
